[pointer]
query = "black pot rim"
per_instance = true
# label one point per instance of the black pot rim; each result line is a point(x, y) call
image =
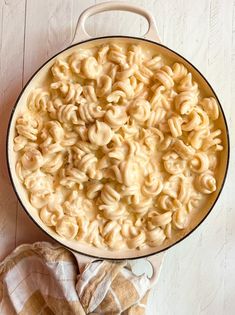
point(60, 242)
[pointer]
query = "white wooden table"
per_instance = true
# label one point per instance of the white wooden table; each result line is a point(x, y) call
point(198, 275)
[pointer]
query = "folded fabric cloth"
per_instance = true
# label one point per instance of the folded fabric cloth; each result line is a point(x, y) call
point(44, 279)
point(110, 288)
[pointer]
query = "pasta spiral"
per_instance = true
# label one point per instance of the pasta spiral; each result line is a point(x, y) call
point(152, 186)
point(51, 215)
point(115, 117)
point(104, 86)
point(37, 100)
point(206, 183)
point(187, 84)
point(90, 68)
point(60, 70)
point(155, 237)
point(70, 92)
point(175, 126)
point(32, 160)
point(100, 133)
point(160, 220)
point(185, 102)
point(199, 163)
point(180, 218)
point(109, 195)
point(140, 110)
point(28, 127)
point(179, 71)
point(72, 177)
point(89, 112)
point(164, 76)
point(67, 227)
point(210, 106)
point(173, 163)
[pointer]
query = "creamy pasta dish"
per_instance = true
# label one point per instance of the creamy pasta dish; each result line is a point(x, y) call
point(119, 147)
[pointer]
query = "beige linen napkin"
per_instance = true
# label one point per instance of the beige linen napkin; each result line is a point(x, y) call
point(44, 279)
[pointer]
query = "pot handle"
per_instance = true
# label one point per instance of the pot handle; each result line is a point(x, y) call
point(81, 34)
point(155, 261)
point(151, 266)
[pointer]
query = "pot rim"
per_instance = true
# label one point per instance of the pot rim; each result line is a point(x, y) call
point(60, 242)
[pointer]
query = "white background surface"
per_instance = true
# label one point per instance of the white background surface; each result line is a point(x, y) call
point(198, 275)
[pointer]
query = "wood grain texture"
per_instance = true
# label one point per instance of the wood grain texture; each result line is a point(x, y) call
point(198, 275)
point(11, 82)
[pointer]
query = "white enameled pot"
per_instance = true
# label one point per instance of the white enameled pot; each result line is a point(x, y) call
point(151, 39)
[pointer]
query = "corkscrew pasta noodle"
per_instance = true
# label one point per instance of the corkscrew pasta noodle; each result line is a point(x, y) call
point(118, 148)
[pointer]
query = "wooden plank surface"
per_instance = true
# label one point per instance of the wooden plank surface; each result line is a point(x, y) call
point(198, 275)
point(11, 83)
